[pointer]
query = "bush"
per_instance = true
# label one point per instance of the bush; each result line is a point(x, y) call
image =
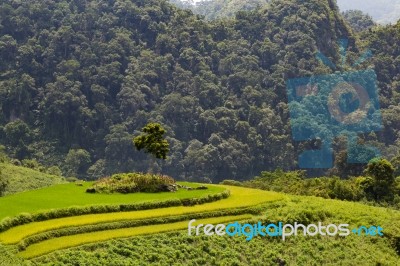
point(231, 183)
point(3, 155)
point(54, 170)
point(296, 183)
point(134, 182)
point(72, 179)
point(32, 164)
point(3, 184)
point(16, 162)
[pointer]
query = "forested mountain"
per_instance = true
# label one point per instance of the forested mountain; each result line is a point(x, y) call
point(79, 79)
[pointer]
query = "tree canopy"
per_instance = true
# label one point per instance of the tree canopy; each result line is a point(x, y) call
point(86, 75)
point(152, 141)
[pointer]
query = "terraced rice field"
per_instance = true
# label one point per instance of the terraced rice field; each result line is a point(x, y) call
point(38, 238)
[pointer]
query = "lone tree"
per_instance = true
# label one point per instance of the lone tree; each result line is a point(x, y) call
point(152, 141)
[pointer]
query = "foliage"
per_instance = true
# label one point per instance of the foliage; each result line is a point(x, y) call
point(178, 248)
point(296, 183)
point(382, 173)
point(152, 141)
point(132, 183)
point(381, 190)
point(3, 155)
point(22, 178)
point(7, 257)
point(54, 170)
point(80, 78)
point(18, 135)
point(357, 20)
point(77, 162)
point(3, 183)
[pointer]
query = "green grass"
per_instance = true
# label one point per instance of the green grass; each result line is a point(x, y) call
point(76, 240)
point(68, 195)
point(24, 179)
point(240, 197)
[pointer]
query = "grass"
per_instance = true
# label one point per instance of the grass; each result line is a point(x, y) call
point(23, 179)
point(240, 197)
point(76, 240)
point(68, 195)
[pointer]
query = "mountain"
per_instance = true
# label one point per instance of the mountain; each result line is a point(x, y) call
point(79, 79)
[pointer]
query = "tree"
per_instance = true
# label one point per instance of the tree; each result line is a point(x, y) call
point(396, 164)
point(3, 184)
point(17, 136)
point(358, 20)
point(152, 141)
point(77, 162)
point(382, 173)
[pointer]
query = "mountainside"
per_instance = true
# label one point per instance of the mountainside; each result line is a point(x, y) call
point(80, 78)
point(20, 178)
point(87, 74)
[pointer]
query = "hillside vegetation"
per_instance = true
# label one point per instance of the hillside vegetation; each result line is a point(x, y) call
point(80, 78)
point(21, 179)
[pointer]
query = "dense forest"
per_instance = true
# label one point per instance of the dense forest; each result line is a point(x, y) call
point(79, 79)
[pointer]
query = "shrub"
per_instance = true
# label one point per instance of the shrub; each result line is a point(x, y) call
point(16, 162)
point(3, 155)
point(231, 183)
point(54, 170)
point(32, 164)
point(3, 184)
point(72, 179)
point(134, 182)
